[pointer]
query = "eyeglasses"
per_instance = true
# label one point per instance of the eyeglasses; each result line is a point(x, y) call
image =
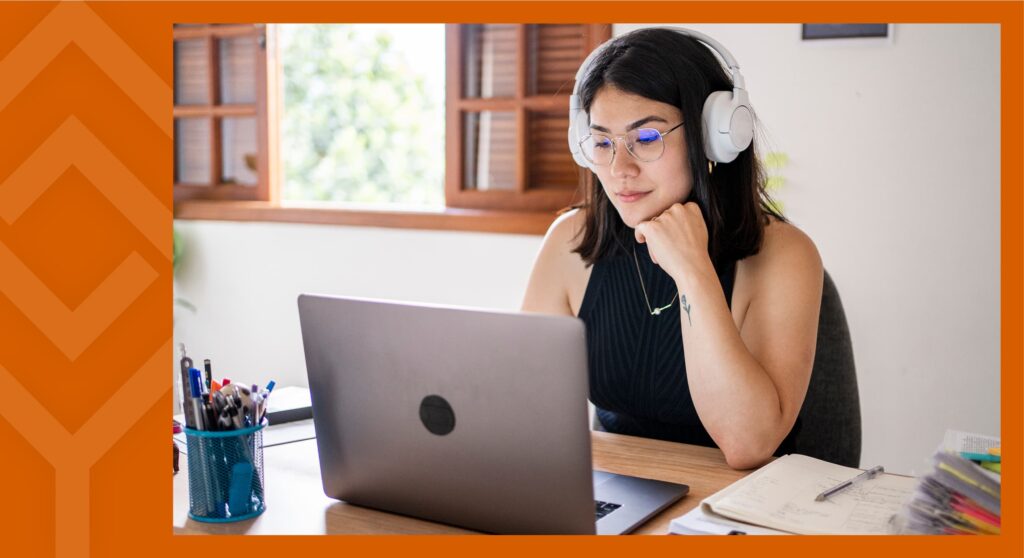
point(644, 144)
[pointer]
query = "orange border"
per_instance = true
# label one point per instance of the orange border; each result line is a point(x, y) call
point(85, 118)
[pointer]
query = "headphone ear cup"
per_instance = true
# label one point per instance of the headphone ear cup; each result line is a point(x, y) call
point(579, 128)
point(728, 125)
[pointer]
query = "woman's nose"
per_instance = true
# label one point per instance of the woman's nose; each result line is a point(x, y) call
point(623, 164)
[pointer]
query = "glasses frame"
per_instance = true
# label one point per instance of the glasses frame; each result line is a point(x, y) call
point(615, 142)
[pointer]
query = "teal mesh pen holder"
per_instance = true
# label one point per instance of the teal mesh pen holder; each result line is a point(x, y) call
point(225, 474)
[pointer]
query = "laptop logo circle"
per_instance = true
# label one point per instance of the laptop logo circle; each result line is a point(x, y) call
point(437, 415)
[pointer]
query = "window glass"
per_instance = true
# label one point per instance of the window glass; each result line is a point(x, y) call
point(363, 113)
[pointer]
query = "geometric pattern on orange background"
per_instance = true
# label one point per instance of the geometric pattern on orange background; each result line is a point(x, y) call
point(72, 144)
point(74, 22)
point(73, 455)
point(73, 331)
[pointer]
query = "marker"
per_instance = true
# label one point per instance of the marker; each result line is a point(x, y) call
point(198, 412)
point(981, 457)
point(270, 386)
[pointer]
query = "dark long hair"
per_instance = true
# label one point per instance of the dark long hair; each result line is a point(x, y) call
point(667, 66)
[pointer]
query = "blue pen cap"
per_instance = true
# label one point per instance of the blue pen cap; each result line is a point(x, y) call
point(195, 379)
point(270, 386)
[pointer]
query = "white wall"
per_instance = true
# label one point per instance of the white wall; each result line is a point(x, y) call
point(244, 278)
point(894, 172)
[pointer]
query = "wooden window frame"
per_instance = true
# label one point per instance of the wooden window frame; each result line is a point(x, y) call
point(265, 188)
point(520, 211)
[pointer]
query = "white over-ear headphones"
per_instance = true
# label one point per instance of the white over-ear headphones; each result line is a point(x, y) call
point(728, 120)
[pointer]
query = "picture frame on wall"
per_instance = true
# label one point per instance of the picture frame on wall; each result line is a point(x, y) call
point(821, 31)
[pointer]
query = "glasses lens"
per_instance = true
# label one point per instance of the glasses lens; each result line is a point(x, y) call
point(598, 149)
point(645, 144)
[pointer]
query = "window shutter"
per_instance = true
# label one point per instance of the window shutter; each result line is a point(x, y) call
point(551, 166)
point(222, 113)
point(556, 52)
point(508, 103)
point(490, 57)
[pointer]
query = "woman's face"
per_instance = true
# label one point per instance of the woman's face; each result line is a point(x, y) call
point(640, 191)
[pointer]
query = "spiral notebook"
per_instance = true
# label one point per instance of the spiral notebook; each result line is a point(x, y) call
point(781, 495)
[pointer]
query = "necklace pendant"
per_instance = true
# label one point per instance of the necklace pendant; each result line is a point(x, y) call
point(656, 312)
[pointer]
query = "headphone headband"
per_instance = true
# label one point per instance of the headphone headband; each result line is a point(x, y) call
point(730, 61)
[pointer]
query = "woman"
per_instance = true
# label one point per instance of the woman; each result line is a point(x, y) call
point(701, 302)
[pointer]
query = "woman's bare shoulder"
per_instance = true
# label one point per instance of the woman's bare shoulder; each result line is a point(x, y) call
point(784, 245)
point(558, 272)
point(788, 262)
point(566, 228)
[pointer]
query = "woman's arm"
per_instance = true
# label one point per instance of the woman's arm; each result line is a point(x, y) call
point(747, 384)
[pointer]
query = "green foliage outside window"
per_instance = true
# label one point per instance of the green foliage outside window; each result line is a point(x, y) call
point(361, 122)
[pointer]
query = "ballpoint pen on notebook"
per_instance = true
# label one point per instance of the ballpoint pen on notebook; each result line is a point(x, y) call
point(869, 474)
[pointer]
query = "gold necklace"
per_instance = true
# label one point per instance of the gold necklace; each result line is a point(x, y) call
point(653, 311)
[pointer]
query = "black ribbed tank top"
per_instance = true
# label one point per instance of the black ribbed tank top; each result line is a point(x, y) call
point(636, 366)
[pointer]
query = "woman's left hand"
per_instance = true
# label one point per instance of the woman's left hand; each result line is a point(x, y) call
point(677, 240)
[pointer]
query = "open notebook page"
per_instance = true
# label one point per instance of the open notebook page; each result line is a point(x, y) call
point(781, 495)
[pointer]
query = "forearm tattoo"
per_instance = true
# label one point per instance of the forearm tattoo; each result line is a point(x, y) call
point(685, 306)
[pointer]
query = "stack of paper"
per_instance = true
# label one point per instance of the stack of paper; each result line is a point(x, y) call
point(958, 496)
point(781, 497)
point(702, 521)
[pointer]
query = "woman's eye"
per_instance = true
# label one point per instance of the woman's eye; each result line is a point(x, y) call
point(647, 136)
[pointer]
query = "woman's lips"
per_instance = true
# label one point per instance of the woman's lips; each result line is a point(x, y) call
point(629, 196)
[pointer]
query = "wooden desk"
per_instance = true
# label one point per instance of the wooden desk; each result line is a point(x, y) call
point(297, 505)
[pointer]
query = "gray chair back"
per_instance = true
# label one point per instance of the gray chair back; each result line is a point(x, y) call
point(830, 427)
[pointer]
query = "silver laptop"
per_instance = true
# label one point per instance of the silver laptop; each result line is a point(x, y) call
point(466, 417)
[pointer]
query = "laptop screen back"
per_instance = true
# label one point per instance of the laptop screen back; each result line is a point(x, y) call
point(468, 417)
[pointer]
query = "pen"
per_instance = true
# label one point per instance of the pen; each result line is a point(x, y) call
point(209, 373)
point(869, 474)
point(209, 414)
point(255, 408)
